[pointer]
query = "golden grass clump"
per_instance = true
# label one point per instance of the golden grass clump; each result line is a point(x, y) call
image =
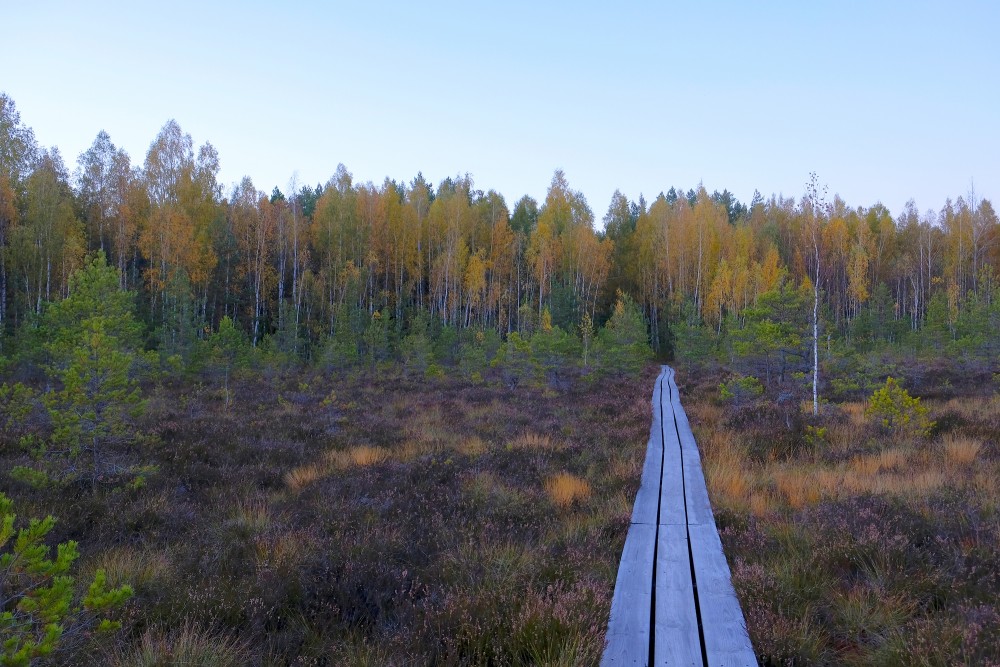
point(761, 503)
point(472, 446)
point(974, 408)
point(959, 450)
point(565, 488)
point(359, 456)
point(726, 470)
point(431, 427)
point(620, 505)
point(842, 435)
point(886, 460)
point(798, 489)
point(911, 483)
point(985, 484)
point(705, 413)
point(855, 412)
point(414, 449)
point(486, 488)
point(251, 515)
point(533, 441)
point(367, 456)
point(299, 478)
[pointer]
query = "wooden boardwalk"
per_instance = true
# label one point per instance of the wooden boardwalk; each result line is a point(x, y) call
point(674, 602)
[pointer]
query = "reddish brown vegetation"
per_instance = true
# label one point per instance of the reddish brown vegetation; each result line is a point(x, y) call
point(853, 544)
point(339, 520)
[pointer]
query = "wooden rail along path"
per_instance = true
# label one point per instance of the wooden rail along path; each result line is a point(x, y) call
point(674, 602)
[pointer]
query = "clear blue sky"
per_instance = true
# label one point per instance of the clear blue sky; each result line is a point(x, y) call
point(885, 100)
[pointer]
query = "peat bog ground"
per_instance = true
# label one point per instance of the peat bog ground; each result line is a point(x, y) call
point(355, 520)
point(853, 545)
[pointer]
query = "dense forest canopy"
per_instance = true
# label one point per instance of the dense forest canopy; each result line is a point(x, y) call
point(296, 268)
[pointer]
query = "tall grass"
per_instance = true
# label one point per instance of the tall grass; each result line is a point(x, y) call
point(187, 646)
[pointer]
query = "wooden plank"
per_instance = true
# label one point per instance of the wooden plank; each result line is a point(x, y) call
point(647, 498)
point(699, 507)
point(628, 627)
point(675, 631)
point(672, 484)
point(644, 510)
point(727, 643)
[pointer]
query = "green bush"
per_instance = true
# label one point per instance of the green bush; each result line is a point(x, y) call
point(897, 411)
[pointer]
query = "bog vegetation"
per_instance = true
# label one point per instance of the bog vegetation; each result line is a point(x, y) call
point(398, 423)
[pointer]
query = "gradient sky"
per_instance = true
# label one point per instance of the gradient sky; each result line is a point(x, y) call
point(886, 101)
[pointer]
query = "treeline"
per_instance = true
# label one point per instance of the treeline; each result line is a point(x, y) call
point(296, 270)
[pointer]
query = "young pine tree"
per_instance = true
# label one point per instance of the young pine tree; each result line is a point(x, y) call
point(624, 340)
point(92, 339)
point(228, 346)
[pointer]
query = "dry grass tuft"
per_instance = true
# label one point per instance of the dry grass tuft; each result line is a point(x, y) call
point(414, 449)
point(367, 456)
point(903, 484)
point(886, 460)
point(126, 565)
point(534, 441)
point(565, 488)
point(286, 550)
point(625, 467)
point(431, 427)
point(974, 408)
point(762, 503)
point(798, 489)
point(303, 476)
point(843, 435)
point(360, 456)
point(620, 505)
point(961, 451)
point(188, 646)
point(726, 470)
point(472, 446)
point(252, 516)
point(855, 411)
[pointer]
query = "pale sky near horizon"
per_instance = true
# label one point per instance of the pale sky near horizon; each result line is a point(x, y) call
point(886, 101)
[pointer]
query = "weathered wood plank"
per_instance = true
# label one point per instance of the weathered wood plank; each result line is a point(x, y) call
point(727, 643)
point(647, 498)
point(676, 640)
point(628, 627)
point(672, 484)
point(699, 507)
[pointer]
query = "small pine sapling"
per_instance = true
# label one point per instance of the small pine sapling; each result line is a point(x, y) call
point(39, 611)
